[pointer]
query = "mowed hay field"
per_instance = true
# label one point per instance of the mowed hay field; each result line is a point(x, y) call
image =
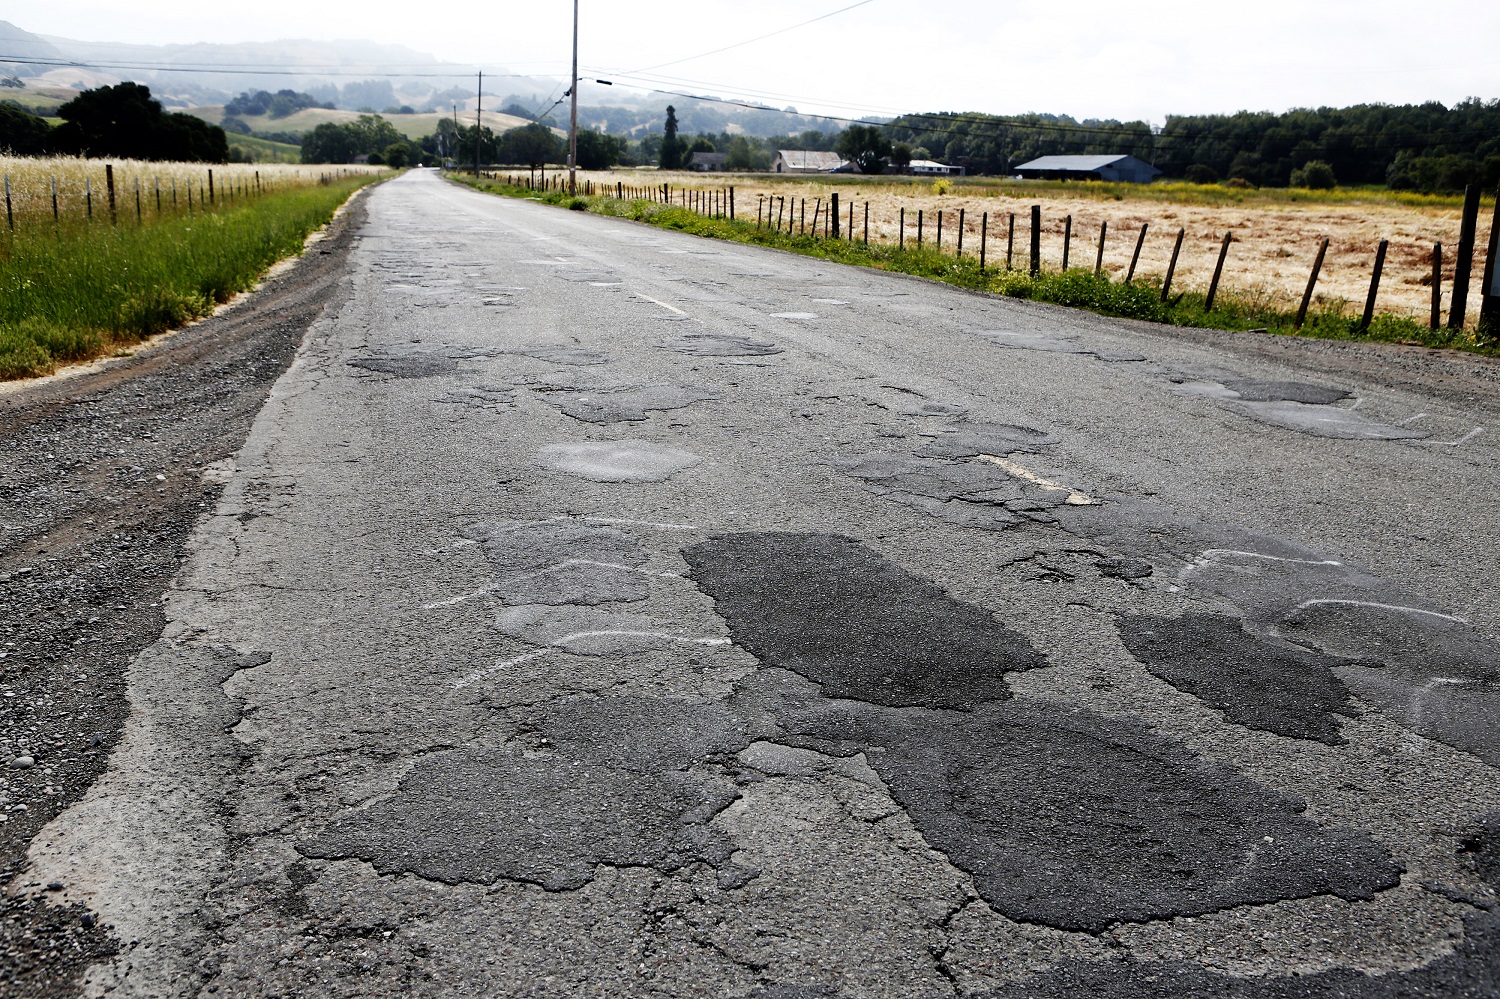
point(1276, 234)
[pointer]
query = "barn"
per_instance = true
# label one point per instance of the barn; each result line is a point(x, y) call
point(1121, 168)
point(806, 161)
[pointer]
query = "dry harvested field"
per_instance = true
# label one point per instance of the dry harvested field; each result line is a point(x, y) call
point(1272, 253)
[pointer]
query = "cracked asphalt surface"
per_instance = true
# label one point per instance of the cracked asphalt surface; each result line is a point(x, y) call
point(596, 610)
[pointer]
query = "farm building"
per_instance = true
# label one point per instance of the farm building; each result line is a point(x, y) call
point(932, 168)
point(707, 162)
point(1125, 168)
point(806, 161)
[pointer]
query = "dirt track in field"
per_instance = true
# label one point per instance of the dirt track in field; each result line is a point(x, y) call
point(1270, 257)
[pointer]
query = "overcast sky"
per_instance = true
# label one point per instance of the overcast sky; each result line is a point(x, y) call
point(1087, 58)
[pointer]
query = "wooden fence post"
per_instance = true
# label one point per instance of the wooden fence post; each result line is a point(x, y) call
point(919, 228)
point(731, 202)
point(210, 187)
point(1010, 242)
point(1036, 240)
point(1213, 286)
point(1166, 286)
point(960, 233)
point(55, 217)
point(158, 190)
point(1489, 291)
point(1067, 241)
point(1135, 257)
point(833, 212)
point(1312, 282)
point(803, 231)
point(88, 197)
point(109, 182)
point(940, 231)
point(137, 201)
point(850, 230)
point(867, 223)
point(1099, 260)
point(901, 240)
point(1437, 286)
point(10, 218)
point(1464, 259)
point(1369, 316)
point(760, 203)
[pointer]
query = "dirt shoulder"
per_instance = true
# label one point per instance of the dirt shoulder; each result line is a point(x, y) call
point(106, 472)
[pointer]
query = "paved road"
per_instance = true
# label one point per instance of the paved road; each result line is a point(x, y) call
point(596, 610)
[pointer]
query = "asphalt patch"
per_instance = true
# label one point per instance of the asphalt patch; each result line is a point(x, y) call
point(1281, 689)
point(1472, 971)
point(616, 781)
point(721, 345)
point(617, 461)
point(970, 439)
point(1262, 390)
point(564, 354)
point(1078, 821)
point(562, 562)
point(1482, 845)
point(966, 493)
point(630, 404)
point(855, 623)
point(409, 366)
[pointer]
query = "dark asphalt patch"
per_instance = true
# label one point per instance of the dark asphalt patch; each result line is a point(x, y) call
point(970, 439)
point(617, 781)
point(1472, 971)
point(562, 562)
point(630, 404)
point(721, 345)
point(1078, 821)
point(1259, 390)
point(1289, 691)
point(1482, 845)
point(966, 493)
point(409, 366)
point(564, 354)
point(1052, 344)
point(855, 623)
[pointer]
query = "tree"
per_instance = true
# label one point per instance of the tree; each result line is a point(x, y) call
point(866, 146)
point(1315, 174)
point(21, 132)
point(329, 143)
point(742, 155)
point(532, 145)
point(900, 155)
point(701, 144)
point(124, 120)
point(1201, 173)
point(597, 151)
point(671, 146)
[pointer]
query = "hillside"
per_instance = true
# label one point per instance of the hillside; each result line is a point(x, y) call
point(413, 126)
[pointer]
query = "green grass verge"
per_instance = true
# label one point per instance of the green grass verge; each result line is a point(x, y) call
point(80, 292)
point(1078, 288)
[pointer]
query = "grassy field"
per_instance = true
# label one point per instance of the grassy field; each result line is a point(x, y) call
point(81, 288)
point(266, 151)
point(1275, 232)
point(413, 126)
point(1234, 308)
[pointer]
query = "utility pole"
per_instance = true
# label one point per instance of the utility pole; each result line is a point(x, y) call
point(478, 120)
point(573, 122)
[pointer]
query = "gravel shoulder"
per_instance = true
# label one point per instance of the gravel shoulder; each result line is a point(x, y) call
point(106, 472)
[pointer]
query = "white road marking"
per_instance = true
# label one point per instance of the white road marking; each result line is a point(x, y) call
point(585, 561)
point(639, 634)
point(1391, 607)
point(664, 305)
point(1075, 498)
point(452, 601)
point(478, 675)
point(1271, 558)
point(1462, 440)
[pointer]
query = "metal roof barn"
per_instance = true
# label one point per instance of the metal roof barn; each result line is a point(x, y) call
point(1107, 167)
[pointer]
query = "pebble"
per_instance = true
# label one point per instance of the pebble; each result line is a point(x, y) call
point(22, 763)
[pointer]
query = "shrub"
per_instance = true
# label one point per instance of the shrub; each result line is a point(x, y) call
point(1201, 173)
point(1238, 183)
point(942, 186)
point(1314, 174)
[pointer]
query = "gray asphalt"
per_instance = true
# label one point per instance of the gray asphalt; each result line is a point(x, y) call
point(595, 610)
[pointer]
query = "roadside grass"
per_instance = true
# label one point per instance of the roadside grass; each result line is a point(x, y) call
point(78, 292)
point(1234, 309)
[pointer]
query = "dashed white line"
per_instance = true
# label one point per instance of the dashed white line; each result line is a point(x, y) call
point(1391, 607)
point(664, 305)
point(1270, 558)
point(1075, 498)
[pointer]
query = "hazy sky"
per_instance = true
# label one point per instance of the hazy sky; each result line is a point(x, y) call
point(1087, 58)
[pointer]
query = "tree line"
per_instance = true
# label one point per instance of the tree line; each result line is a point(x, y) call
point(1425, 147)
point(123, 120)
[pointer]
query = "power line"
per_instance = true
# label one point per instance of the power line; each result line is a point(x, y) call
point(751, 41)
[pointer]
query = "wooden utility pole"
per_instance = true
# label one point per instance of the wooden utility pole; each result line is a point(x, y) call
point(479, 119)
point(573, 115)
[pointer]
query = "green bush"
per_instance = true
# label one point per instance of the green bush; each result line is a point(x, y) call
point(1315, 175)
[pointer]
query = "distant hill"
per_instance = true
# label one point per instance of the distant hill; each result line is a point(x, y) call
point(413, 126)
point(23, 45)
